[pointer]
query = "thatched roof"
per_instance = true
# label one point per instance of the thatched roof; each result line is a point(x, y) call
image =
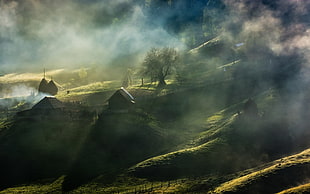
point(49, 103)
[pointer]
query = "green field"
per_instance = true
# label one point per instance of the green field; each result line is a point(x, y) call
point(154, 96)
point(196, 152)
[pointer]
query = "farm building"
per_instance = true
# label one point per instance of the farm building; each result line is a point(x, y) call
point(48, 107)
point(121, 101)
point(49, 103)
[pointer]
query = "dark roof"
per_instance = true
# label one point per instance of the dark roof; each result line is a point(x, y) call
point(123, 92)
point(49, 103)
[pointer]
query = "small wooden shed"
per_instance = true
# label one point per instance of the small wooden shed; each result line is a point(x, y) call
point(47, 108)
point(121, 101)
point(49, 103)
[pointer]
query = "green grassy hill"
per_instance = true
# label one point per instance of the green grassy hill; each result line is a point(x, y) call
point(277, 176)
point(115, 142)
point(272, 177)
point(228, 142)
point(301, 189)
point(179, 139)
point(232, 118)
point(40, 149)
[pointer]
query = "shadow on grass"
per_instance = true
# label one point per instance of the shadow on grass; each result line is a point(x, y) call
point(117, 141)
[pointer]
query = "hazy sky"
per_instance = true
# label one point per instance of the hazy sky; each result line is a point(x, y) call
point(75, 33)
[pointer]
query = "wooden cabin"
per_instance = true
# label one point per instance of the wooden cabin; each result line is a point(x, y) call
point(48, 107)
point(121, 101)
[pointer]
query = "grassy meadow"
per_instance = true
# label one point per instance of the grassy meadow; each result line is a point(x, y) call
point(186, 148)
point(218, 96)
point(192, 135)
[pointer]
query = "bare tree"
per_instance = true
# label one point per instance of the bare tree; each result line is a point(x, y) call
point(159, 63)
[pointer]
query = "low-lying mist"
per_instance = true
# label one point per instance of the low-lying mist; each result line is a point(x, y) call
point(265, 42)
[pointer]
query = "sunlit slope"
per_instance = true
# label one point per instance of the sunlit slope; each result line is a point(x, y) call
point(122, 185)
point(71, 86)
point(272, 177)
point(53, 187)
point(301, 189)
point(230, 142)
point(96, 93)
point(116, 142)
point(206, 158)
point(276, 176)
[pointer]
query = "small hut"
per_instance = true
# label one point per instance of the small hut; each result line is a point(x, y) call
point(47, 108)
point(121, 101)
point(49, 103)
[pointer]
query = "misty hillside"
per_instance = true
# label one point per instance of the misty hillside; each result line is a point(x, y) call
point(154, 96)
point(229, 143)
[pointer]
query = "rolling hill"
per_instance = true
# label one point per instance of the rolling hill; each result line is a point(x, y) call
point(226, 151)
point(197, 134)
